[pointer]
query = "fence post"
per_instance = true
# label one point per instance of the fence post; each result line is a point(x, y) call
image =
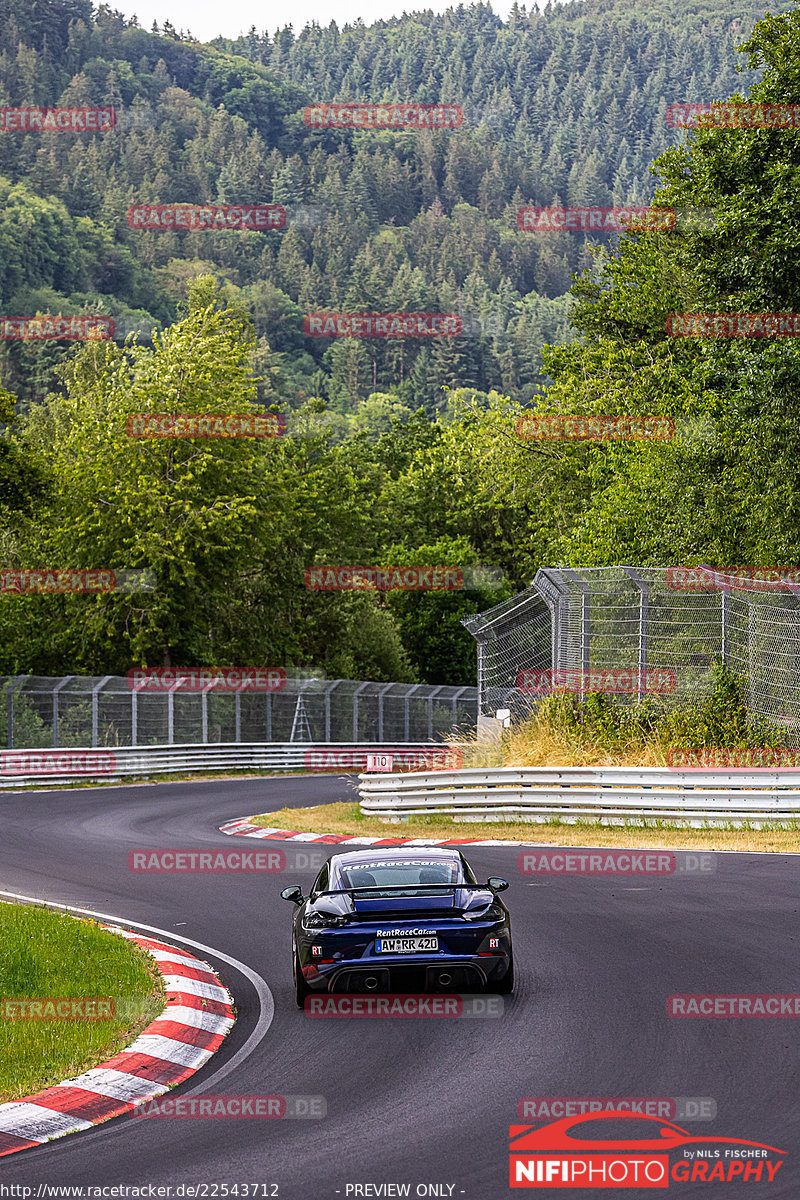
point(550, 585)
point(204, 711)
point(171, 715)
point(752, 631)
point(726, 620)
point(586, 624)
point(482, 691)
point(644, 615)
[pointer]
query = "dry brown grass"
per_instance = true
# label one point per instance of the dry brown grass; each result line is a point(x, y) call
point(544, 744)
point(346, 819)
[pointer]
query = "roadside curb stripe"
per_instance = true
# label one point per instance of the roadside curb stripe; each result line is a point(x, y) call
point(242, 828)
point(181, 1039)
point(183, 999)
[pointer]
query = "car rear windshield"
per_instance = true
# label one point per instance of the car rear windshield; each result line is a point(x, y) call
point(387, 873)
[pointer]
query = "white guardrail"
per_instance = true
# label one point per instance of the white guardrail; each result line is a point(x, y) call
point(113, 764)
point(608, 795)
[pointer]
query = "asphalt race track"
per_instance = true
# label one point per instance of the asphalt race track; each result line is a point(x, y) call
point(423, 1102)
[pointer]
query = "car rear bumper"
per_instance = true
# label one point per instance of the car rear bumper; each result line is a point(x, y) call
point(404, 976)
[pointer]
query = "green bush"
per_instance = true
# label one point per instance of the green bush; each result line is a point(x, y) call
point(720, 719)
point(30, 730)
point(614, 725)
point(598, 719)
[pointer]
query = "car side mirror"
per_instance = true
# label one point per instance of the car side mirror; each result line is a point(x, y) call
point(496, 883)
point(293, 893)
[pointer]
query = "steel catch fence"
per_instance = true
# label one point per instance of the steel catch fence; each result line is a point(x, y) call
point(88, 711)
point(581, 624)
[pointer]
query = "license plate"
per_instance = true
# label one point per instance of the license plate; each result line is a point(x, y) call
point(407, 945)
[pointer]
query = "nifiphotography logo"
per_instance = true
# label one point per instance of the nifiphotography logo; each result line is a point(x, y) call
point(595, 1150)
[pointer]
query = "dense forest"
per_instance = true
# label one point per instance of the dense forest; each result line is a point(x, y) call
point(397, 451)
point(567, 106)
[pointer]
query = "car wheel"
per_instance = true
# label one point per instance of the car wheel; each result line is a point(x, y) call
point(506, 985)
point(301, 988)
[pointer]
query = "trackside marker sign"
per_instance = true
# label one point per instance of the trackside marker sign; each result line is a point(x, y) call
point(379, 762)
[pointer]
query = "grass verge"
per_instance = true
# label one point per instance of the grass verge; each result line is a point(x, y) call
point(347, 819)
point(45, 953)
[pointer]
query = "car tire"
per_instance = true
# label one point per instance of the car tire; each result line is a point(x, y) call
point(506, 985)
point(301, 988)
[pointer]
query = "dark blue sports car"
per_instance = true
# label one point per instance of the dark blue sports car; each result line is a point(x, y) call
point(410, 919)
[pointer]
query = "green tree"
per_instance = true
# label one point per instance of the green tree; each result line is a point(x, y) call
point(198, 513)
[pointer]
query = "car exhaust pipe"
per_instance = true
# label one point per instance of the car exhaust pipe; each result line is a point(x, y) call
point(370, 983)
point(445, 978)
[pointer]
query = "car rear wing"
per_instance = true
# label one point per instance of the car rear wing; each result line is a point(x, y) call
point(400, 890)
point(406, 887)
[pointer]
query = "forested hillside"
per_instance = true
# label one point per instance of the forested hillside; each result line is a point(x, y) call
point(566, 106)
point(397, 451)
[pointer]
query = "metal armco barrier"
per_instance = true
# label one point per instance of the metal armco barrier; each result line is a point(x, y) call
point(35, 768)
point(609, 795)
